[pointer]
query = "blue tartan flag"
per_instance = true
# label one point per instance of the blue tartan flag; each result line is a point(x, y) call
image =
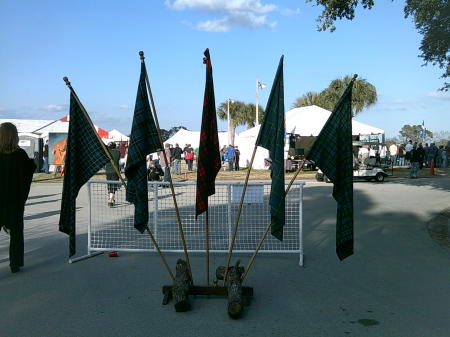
point(144, 140)
point(332, 153)
point(84, 157)
point(271, 136)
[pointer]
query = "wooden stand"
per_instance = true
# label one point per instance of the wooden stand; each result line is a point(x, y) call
point(238, 296)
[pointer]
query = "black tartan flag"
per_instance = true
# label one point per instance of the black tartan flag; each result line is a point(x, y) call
point(271, 136)
point(84, 157)
point(144, 140)
point(209, 152)
point(332, 153)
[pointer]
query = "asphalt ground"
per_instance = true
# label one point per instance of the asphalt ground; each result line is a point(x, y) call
point(396, 284)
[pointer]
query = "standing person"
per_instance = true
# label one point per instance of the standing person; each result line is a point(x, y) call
point(431, 157)
point(230, 157)
point(444, 159)
point(16, 173)
point(408, 148)
point(414, 156)
point(426, 147)
point(165, 165)
point(189, 156)
point(237, 153)
point(111, 173)
point(421, 153)
point(223, 154)
point(177, 152)
point(45, 157)
point(401, 155)
point(393, 153)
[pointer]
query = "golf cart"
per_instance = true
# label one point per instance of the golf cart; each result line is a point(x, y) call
point(369, 170)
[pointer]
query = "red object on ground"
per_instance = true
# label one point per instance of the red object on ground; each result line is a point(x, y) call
point(113, 254)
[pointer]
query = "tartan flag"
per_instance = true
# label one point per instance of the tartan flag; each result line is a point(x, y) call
point(209, 153)
point(84, 157)
point(271, 136)
point(332, 153)
point(143, 141)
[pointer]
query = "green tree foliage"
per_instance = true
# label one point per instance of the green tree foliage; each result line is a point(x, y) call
point(364, 95)
point(431, 17)
point(240, 114)
point(413, 132)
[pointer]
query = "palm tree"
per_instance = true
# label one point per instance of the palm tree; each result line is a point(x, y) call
point(240, 114)
point(310, 98)
point(364, 95)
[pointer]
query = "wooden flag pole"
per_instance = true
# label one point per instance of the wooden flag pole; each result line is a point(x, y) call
point(263, 237)
point(115, 167)
point(207, 246)
point(177, 212)
point(235, 228)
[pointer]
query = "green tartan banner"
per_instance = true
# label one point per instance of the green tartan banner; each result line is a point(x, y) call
point(271, 137)
point(332, 153)
point(84, 157)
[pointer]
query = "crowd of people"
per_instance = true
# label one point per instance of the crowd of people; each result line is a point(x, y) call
point(230, 157)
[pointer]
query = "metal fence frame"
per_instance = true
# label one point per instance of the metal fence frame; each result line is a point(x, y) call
point(154, 187)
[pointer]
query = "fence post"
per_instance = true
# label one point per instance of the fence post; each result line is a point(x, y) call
point(230, 223)
point(300, 223)
point(89, 217)
point(155, 210)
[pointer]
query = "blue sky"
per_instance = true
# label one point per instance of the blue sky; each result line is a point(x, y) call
point(96, 44)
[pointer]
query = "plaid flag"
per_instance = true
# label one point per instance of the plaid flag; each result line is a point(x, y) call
point(332, 152)
point(143, 140)
point(209, 152)
point(84, 157)
point(271, 136)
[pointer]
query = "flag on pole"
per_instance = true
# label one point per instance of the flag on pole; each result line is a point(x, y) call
point(271, 136)
point(144, 140)
point(422, 130)
point(332, 153)
point(209, 152)
point(84, 157)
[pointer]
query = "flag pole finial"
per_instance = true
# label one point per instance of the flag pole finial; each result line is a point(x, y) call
point(67, 81)
point(141, 54)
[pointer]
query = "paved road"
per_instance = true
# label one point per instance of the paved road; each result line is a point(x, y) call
point(397, 283)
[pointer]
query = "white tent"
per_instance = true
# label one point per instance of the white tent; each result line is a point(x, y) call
point(305, 121)
point(117, 136)
point(183, 137)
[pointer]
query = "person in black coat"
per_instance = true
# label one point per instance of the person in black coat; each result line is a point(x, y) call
point(16, 173)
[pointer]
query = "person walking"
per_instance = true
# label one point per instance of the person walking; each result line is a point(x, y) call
point(16, 174)
point(111, 174)
point(444, 158)
point(177, 152)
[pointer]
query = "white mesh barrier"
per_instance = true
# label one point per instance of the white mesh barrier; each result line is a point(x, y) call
point(112, 228)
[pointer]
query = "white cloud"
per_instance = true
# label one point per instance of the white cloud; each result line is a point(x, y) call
point(124, 106)
point(440, 94)
point(288, 11)
point(221, 6)
point(235, 13)
point(56, 107)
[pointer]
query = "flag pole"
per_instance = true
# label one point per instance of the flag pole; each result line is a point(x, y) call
point(235, 228)
point(177, 212)
point(115, 167)
point(207, 246)
point(263, 237)
point(93, 128)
